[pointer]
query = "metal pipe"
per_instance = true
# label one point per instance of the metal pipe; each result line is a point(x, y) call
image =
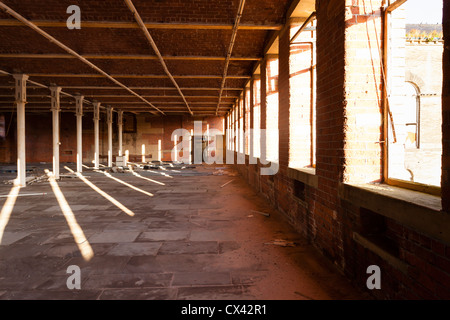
point(310, 18)
point(72, 52)
point(141, 24)
point(230, 50)
point(394, 5)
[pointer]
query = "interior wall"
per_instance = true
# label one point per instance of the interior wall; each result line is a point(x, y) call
point(149, 130)
point(368, 229)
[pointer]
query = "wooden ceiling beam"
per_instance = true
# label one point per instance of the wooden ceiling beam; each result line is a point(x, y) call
point(134, 88)
point(148, 25)
point(120, 57)
point(133, 76)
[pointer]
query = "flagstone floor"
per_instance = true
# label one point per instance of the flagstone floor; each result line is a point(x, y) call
point(173, 234)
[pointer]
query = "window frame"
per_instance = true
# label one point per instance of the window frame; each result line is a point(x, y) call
point(416, 186)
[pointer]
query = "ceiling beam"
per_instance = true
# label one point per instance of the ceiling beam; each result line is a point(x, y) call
point(121, 57)
point(145, 96)
point(134, 76)
point(134, 88)
point(148, 25)
point(53, 40)
point(303, 26)
point(127, 102)
point(37, 85)
point(152, 43)
point(72, 110)
point(237, 21)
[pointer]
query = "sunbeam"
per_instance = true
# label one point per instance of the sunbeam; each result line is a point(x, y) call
point(102, 193)
point(75, 229)
point(151, 180)
point(7, 208)
point(125, 183)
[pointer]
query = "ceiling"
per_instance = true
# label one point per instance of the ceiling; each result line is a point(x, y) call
point(176, 61)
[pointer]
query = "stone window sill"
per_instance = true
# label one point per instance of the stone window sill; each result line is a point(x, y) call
point(419, 211)
point(305, 175)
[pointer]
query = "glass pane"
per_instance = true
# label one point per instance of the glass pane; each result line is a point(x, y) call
point(414, 92)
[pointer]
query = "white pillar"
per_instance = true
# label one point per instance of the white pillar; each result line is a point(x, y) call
point(55, 100)
point(109, 117)
point(79, 114)
point(21, 100)
point(120, 129)
point(190, 148)
point(175, 140)
point(96, 134)
point(159, 151)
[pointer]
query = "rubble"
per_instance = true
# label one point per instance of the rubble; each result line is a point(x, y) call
point(261, 213)
point(38, 176)
point(226, 183)
point(282, 243)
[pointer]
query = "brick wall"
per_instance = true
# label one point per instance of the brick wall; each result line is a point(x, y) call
point(445, 184)
point(414, 264)
point(150, 129)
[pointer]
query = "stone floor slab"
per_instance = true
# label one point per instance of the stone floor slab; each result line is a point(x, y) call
point(143, 264)
point(191, 240)
point(231, 292)
point(135, 249)
point(97, 265)
point(11, 237)
point(201, 278)
point(212, 235)
point(163, 236)
point(135, 280)
point(139, 294)
point(191, 247)
point(52, 295)
point(113, 237)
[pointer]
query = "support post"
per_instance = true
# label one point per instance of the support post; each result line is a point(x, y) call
point(96, 135)
point(79, 114)
point(55, 101)
point(120, 129)
point(109, 117)
point(21, 100)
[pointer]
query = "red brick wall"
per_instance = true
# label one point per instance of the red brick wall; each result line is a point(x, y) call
point(284, 93)
point(446, 113)
point(39, 136)
point(348, 77)
point(7, 145)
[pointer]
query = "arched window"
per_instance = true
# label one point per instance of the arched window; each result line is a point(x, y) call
point(412, 115)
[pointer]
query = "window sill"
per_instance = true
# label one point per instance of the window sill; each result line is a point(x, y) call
point(305, 175)
point(419, 211)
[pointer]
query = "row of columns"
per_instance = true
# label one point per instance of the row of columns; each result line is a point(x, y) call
point(21, 100)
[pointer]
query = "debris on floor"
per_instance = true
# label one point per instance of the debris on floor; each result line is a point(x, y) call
point(38, 177)
point(24, 195)
point(261, 213)
point(226, 183)
point(281, 243)
point(117, 170)
point(160, 165)
point(222, 172)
